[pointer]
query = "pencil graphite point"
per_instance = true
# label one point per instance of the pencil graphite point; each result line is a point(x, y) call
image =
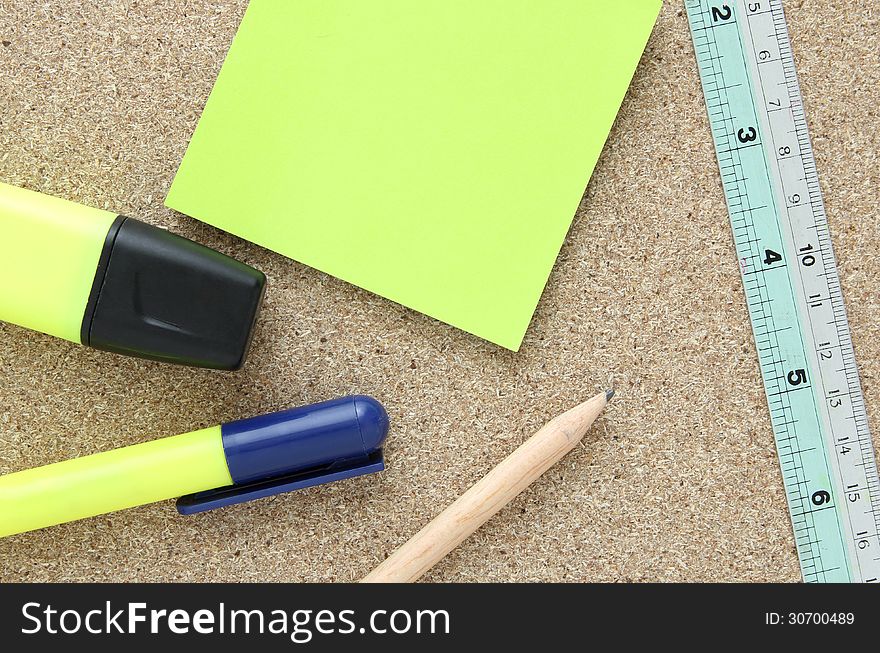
point(609, 394)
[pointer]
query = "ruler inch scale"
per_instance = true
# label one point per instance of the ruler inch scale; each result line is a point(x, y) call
point(792, 286)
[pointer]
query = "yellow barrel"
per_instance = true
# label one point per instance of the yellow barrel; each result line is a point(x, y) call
point(49, 253)
point(112, 480)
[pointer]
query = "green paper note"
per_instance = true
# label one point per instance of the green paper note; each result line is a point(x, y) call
point(431, 151)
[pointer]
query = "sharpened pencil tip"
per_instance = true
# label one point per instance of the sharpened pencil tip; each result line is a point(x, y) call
point(609, 394)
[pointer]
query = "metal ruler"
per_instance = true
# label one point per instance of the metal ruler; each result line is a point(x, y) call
point(791, 285)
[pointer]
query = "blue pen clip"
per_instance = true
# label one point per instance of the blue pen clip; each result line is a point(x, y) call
point(295, 449)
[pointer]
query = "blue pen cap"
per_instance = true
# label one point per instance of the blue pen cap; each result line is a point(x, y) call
point(303, 438)
point(297, 448)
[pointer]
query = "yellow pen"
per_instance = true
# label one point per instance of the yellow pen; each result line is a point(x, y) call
point(213, 467)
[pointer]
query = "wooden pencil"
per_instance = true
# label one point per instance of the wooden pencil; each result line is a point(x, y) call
point(489, 495)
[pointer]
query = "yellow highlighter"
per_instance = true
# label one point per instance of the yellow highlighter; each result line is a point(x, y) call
point(118, 284)
point(214, 467)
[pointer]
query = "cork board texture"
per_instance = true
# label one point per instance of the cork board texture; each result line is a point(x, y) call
point(677, 482)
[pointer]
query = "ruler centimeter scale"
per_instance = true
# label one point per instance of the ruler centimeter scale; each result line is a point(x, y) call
point(792, 286)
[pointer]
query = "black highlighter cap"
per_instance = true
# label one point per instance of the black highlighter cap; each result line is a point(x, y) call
point(166, 298)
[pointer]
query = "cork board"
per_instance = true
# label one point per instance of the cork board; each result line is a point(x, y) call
point(679, 480)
